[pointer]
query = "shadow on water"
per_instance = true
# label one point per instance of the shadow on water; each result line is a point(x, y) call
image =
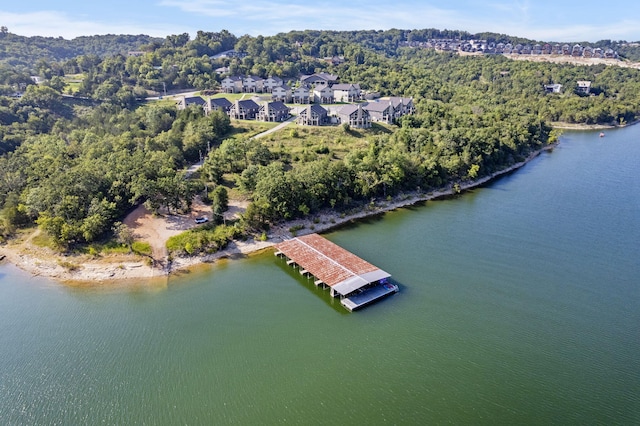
point(307, 283)
point(324, 293)
point(354, 223)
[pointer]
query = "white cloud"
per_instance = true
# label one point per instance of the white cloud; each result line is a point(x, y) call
point(269, 16)
point(59, 24)
point(211, 8)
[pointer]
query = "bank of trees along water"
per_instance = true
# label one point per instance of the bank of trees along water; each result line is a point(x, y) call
point(77, 166)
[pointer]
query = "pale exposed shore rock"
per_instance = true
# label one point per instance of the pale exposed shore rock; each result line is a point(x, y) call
point(136, 268)
point(577, 126)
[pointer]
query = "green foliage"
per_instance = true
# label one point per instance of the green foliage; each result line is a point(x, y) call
point(124, 235)
point(76, 167)
point(220, 203)
point(20, 50)
point(294, 229)
point(142, 248)
point(83, 175)
point(205, 239)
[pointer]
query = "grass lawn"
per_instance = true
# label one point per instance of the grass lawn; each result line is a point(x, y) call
point(305, 143)
point(248, 128)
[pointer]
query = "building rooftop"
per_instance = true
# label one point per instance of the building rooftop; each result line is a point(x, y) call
point(336, 267)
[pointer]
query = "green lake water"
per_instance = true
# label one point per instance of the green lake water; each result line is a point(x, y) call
point(519, 303)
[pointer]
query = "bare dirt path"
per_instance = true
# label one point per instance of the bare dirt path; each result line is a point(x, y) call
point(157, 229)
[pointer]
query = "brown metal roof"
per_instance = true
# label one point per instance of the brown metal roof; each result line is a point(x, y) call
point(325, 260)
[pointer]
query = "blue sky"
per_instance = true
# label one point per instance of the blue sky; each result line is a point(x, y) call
point(541, 20)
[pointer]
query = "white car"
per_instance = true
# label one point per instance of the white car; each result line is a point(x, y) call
point(202, 219)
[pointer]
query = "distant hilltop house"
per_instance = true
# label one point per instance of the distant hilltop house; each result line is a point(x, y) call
point(583, 86)
point(482, 46)
point(553, 88)
point(334, 60)
point(222, 70)
point(229, 54)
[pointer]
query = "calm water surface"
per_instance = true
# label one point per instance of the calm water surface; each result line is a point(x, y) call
point(519, 304)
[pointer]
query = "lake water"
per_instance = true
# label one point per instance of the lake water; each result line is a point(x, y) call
point(519, 304)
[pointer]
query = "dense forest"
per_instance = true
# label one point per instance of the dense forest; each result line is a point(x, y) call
point(75, 165)
point(16, 50)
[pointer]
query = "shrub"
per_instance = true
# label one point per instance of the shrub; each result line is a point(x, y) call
point(294, 229)
point(201, 240)
point(141, 247)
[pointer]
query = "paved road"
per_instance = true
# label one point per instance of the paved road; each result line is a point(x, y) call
point(173, 95)
point(275, 129)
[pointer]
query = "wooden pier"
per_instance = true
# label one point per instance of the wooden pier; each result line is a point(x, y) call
point(356, 281)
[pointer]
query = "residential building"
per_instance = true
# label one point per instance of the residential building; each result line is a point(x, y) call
point(576, 50)
point(184, 102)
point(244, 110)
point(313, 115)
point(231, 84)
point(281, 93)
point(346, 92)
point(229, 54)
point(272, 82)
point(584, 86)
point(252, 84)
point(222, 104)
point(402, 106)
point(553, 88)
point(323, 94)
point(300, 95)
point(381, 110)
point(273, 111)
point(319, 79)
point(355, 115)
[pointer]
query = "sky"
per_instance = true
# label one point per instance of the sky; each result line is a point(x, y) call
point(545, 20)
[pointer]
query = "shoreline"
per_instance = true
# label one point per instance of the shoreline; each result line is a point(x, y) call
point(561, 125)
point(121, 269)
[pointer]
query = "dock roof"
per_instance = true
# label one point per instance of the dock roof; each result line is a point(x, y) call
point(338, 268)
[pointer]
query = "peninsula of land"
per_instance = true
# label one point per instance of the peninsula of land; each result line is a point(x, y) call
point(84, 269)
point(136, 157)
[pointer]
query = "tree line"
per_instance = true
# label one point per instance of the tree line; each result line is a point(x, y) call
point(77, 166)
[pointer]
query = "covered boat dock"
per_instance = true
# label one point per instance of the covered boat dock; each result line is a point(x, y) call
point(356, 281)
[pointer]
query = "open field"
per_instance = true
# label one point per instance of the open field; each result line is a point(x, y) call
point(306, 143)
